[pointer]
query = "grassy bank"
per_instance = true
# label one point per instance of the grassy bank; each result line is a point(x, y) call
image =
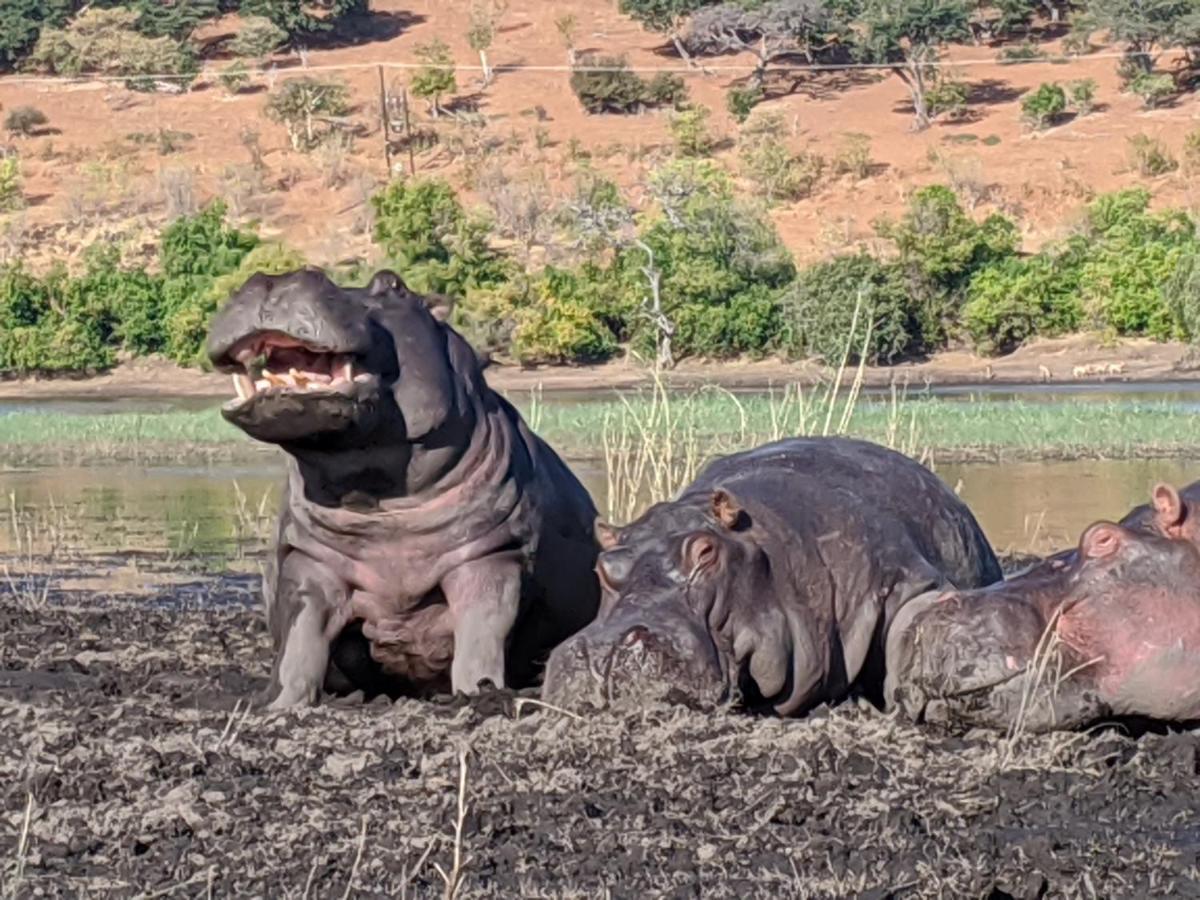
point(697, 424)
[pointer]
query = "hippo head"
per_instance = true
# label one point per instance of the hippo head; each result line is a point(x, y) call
point(317, 365)
point(1113, 627)
point(669, 582)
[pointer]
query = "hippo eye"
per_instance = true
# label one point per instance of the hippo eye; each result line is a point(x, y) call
point(700, 553)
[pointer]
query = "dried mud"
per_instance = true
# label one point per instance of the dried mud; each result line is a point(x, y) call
point(129, 766)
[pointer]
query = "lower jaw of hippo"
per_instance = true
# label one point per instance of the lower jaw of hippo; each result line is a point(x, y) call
point(280, 413)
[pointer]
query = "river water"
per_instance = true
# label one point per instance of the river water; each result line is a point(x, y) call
point(1023, 506)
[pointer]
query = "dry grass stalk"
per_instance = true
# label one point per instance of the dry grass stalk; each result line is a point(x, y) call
point(454, 878)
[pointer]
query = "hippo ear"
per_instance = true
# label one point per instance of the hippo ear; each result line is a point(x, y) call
point(385, 281)
point(440, 306)
point(1101, 540)
point(727, 511)
point(606, 535)
point(1169, 509)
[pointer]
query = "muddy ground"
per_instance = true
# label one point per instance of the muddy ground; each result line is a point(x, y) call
point(129, 767)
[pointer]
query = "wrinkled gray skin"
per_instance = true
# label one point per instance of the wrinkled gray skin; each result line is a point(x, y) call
point(1108, 629)
point(772, 579)
point(427, 538)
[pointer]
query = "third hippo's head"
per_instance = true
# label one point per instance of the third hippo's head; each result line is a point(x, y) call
point(671, 583)
point(319, 366)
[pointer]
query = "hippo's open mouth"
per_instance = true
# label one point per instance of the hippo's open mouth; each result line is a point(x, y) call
point(272, 364)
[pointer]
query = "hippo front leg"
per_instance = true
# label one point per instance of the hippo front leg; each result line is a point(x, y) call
point(306, 611)
point(484, 596)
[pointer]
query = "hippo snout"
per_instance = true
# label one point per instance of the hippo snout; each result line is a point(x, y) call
point(614, 665)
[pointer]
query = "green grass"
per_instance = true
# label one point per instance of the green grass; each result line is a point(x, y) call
point(949, 429)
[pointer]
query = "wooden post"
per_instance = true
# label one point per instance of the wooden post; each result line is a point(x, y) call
point(385, 124)
point(408, 137)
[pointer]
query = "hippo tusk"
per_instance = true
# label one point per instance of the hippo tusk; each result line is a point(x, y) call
point(243, 385)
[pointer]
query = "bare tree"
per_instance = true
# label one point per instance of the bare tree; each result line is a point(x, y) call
point(481, 32)
point(600, 218)
point(770, 31)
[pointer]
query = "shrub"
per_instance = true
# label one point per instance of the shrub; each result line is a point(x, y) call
point(302, 104)
point(1191, 152)
point(235, 77)
point(39, 332)
point(1155, 90)
point(203, 245)
point(435, 79)
point(940, 248)
point(257, 38)
point(689, 128)
point(106, 41)
point(741, 100)
point(432, 242)
point(1041, 107)
point(25, 121)
point(818, 310)
point(604, 84)
point(1015, 299)
point(767, 161)
point(1149, 157)
point(563, 321)
point(10, 183)
point(948, 97)
point(1126, 255)
point(1024, 52)
point(855, 157)
point(1182, 294)
point(666, 89)
point(1082, 95)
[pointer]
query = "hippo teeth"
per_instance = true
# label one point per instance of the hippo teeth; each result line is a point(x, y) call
point(244, 385)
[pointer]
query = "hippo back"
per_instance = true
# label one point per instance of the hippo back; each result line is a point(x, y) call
point(818, 487)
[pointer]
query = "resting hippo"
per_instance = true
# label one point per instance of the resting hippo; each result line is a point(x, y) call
point(1111, 630)
point(425, 532)
point(773, 576)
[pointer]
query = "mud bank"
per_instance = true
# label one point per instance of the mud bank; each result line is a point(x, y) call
point(1043, 361)
point(130, 767)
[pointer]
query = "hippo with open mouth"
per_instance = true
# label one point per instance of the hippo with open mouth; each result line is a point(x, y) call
point(1109, 630)
point(772, 578)
point(427, 539)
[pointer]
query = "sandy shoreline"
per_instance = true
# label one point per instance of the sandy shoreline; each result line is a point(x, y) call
point(1049, 361)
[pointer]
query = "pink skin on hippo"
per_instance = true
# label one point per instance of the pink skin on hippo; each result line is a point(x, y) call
point(1110, 630)
point(427, 539)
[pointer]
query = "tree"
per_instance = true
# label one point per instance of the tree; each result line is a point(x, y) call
point(435, 78)
point(769, 30)
point(909, 35)
point(175, 20)
point(665, 16)
point(257, 38)
point(481, 32)
point(305, 107)
point(298, 18)
point(25, 121)
point(1143, 25)
point(568, 29)
point(106, 41)
point(21, 21)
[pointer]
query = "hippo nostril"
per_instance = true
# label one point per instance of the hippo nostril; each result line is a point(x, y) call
point(635, 636)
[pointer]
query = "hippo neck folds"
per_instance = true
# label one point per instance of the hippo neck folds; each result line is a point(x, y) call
point(356, 384)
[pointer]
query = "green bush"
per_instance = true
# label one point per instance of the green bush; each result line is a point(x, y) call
point(1155, 90)
point(947, 98)
point(1016, 299)
point(689, 128)
point(818, 310)
point(435, 79)
point(1041, 107)
point(40, 330)
point(107, 42)
point(1182, 292)
point(257, 38)
point(432, 242)
point(235, 77)
point(740, 101)
point(940, 248)
point(203, 245)
point(10, 183)
point(616, 89)
point(1149, 157)
point(303, 106)
point(1082, 94)
point(769, 163)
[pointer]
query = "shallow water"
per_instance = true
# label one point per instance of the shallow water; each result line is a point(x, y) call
point(1032, 507)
